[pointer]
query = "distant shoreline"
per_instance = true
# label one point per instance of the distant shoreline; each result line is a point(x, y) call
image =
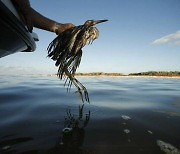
point(133, 76)
point(142, 74)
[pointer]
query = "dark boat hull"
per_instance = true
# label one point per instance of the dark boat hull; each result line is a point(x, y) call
point(14, 37)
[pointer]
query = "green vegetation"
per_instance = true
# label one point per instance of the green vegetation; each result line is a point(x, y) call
point(99, 74)
point(149, 73)
point(154, 73)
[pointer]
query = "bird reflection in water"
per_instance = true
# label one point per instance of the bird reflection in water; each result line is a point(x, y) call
point(73, 133)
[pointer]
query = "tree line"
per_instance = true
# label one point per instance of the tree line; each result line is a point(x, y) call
point(156, 73)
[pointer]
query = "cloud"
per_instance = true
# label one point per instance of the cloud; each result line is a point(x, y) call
point(173, 38)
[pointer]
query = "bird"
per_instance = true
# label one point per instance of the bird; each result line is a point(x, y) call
point(66, 50)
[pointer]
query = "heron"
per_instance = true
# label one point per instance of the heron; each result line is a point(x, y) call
point(66, 50)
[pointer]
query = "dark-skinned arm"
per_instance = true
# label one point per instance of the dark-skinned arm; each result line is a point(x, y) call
point(34, 19)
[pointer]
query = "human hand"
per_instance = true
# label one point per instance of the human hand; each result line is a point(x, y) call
point(63, 27)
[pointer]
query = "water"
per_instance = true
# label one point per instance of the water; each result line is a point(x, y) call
point(126, 115)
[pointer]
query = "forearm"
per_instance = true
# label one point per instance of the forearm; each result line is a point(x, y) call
point(42, 22)
point(24, 5)
point(37, 20)
point(34, 19)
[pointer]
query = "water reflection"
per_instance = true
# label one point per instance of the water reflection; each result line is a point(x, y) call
point(8, 142)
point(73, 133)
point(34, 118)
point(70, 140)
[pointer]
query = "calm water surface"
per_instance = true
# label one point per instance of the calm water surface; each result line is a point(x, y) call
point(126, 115)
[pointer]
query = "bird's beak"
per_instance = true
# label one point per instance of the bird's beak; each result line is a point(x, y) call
point(99, 21)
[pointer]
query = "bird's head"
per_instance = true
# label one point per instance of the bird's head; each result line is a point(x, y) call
point(93, 22)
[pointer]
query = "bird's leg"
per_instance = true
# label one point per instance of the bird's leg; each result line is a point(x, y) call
point(82, 88)
point(79, 86)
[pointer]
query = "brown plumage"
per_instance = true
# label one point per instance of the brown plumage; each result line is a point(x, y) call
point(66, 50)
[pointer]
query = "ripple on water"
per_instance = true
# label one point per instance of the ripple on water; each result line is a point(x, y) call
point(35, 108)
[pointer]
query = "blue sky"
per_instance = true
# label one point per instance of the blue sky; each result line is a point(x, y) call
point(141, 35)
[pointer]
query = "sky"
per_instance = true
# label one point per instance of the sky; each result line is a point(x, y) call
point(141, 35)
